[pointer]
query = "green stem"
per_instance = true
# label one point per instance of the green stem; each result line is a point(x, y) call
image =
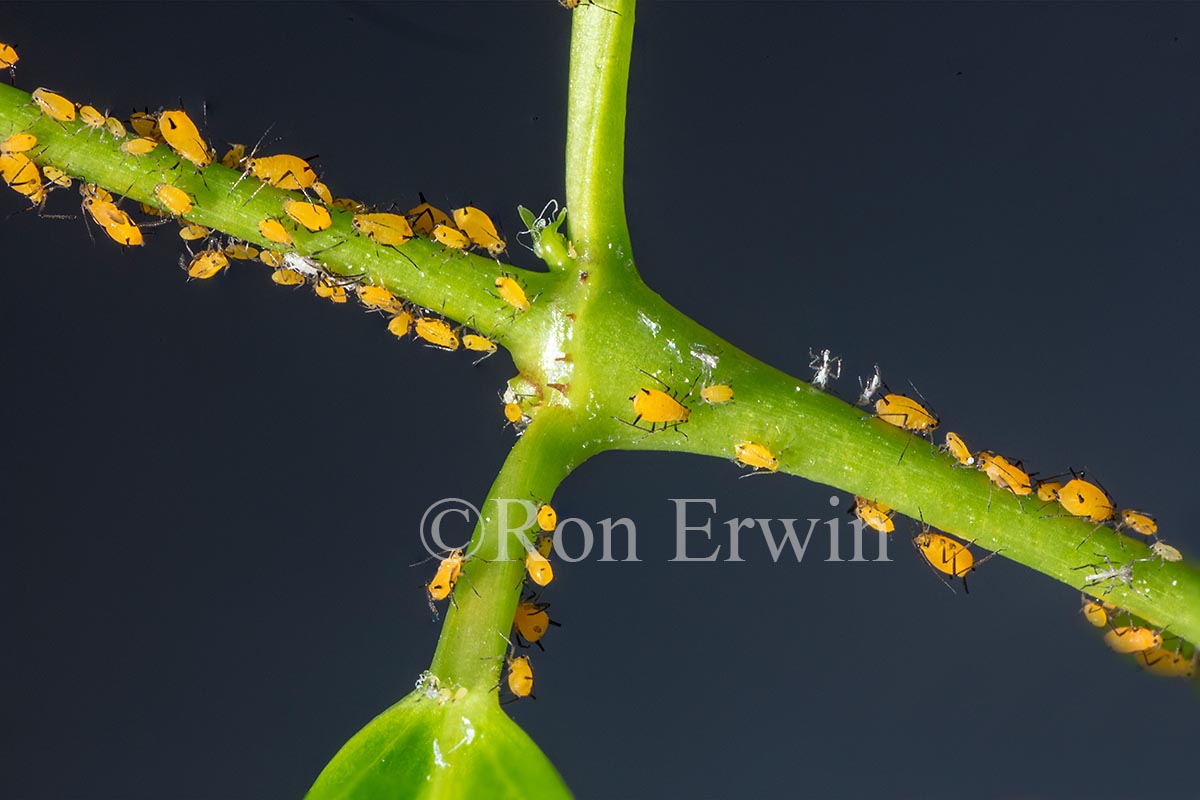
point(824, 439)
point(601, 44)
point(459, 286)
point(471, 649)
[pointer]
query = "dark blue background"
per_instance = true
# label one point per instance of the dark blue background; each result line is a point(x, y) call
point(211, 490)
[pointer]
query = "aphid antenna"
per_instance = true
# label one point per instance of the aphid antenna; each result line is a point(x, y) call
point(903, 450)
point(408, 258)
point(426, 560)
point(918, 391)
point(1090, 533)
point(43, 215)
point(246, 159)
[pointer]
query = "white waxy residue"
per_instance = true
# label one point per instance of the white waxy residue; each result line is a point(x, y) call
point(649, 323)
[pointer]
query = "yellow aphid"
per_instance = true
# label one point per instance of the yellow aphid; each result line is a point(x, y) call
point(716, 395)
point(1132, 639)
point(347, 204)
point(480, 229)
point(450, 237)
point(957, 448)
point(206, 264)
point(386, 229)
point(758, 456)
point(447, 576)
point(8, 57)
point(126, 233)
point(322, 191)
point(241, 251)
point(53, 105)
point(272, 258)
point(658, 408)
point(1004, 473)
point(571, 5)
point(104, 212)
point(139, 146)
point(1139, 522)
point(947, 555)
point(1048, 490)
point(21, 174)
point(379, 299)
point(115, 128)
point(38, 196)
point(1166, 663)
point(538, 567)
point(532, 620)
point(145, 125)
point(310, 215)
point(234, 156)
point(874, 515)
point(437, 332)
point(425, 218)
point(513, 413)
point(478, 344)
point(520, 677)
point(98, 203)
point(286, 277)
point(182, 136)
point(56, 176)
point(330, 291)
point(1096, 611)
point(282, 171)
point(89, 116)
point(547, 517)
point(512, 293)
point(173, 199)
point(191, 232)
point(94, 192)
point(906, 413)
point(18, 143)
point(400, 324)
point(1085, 499)
point(273, 230)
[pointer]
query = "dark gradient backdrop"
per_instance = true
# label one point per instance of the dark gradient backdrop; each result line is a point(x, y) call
point(210, 491)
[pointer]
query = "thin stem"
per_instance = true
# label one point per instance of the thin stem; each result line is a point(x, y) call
point(601, 44)
point(471, 649)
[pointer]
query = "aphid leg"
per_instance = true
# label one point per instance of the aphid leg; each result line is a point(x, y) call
point(904, 449)
point(1089, 536)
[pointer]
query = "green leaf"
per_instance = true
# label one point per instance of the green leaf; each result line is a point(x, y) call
point(548, 244)
point(440, 743)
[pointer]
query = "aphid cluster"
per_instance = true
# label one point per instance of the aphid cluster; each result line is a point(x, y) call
point(312, 211)
point(658, 409)
point(532, 618)
point(1076, 497)
point(1145, 644)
